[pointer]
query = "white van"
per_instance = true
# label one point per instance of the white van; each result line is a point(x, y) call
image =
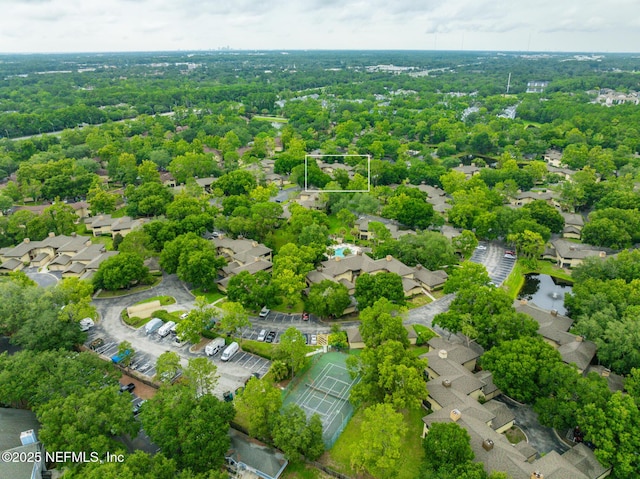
point(214, 347)
point(166, 328)
point(231, 350)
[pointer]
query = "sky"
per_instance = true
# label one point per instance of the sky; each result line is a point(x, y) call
point(151, 25)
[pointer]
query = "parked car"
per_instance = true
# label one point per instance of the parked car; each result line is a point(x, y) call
point(137, 407)
point(127, 387)
point(271, 336)
point(262, 334)
point(314, 340)
point(227, 396)
point(264, 312)
point(305, 316)
point(481, 247)
point(509, 256)
point(96, 343)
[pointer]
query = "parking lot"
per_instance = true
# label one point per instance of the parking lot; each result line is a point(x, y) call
point(251, 362)
point(141, 362)
point(284, 318)
point(492, 256)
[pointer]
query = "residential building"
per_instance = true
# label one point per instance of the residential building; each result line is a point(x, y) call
point(567, 254)
point(241, 255)
point(573, 224)
point(18, 434)
point(107, 225)
point(554, 329)
point(537, 86)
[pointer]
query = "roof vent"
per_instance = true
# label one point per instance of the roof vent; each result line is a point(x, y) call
point(602, 254)
point(537, 475)
point(446, 383)
point(487, 444)
point(418, 266)
point(389, 257)
point(254, 244)
point(240, 237)
point(606, 373)
point(337, 258)
point(554, 312)
point(455, 414)
point(26, 240)
point(442, 354)
point(579, 339)
point(523, 301)
point(28, 437)
point(52, 234)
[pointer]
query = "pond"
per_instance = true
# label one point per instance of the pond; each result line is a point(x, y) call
point(545, 291)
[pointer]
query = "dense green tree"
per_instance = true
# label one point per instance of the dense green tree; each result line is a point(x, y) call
point(546, 215)
point(487, 313)
point(292, 349)
point(60, 219)
point(233, 318)
point(383, 321)
point(253, 291)
point(87, 420)
point(465, 242)
point(191, 430)
point(139, 465)
point(260, 402)
point(430, 249)
point(379, 449)
point(148, 199)
point(614, 431)
point(30, 379)
point(328, 299)
point(197, 320)
point(467, 275)
point(446, 446)
point(371, 287)
point(390, 374)
point(167, 366)
point(120, 271)
point(293, 434)
point(201, 375)
point(517, 366)
point(413, 212)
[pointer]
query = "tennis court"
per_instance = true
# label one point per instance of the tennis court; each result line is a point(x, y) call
point(324, 390)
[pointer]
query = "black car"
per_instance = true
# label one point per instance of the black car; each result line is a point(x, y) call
point(227, 396)
point(271, 336)
point(96, 343)
point(127, 387)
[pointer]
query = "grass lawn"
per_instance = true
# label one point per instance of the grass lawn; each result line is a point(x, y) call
point(275, 119)
point(125, 292)
point(513, 284)
point(339, 457)
point(515, 435)
point(418, 301)
point(210, 296)
point(299, 470)
point(107, 241)
point(164, 300)
point(119, 213)
point(134, 321)
point(283, 308)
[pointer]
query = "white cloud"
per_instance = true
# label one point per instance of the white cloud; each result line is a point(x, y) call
point(112, 25)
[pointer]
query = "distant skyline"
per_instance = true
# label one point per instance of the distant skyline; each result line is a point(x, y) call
point(42, 26)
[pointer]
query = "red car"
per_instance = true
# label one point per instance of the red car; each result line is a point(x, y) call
point(305, 316)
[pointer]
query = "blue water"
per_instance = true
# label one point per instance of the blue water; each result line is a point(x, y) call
point(339, 252)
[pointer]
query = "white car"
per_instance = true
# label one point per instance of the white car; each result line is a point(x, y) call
point(481, 247)
point(314, 340)
point(262, 335)
point(264, 312)
point(184, 315)
point(509, 256)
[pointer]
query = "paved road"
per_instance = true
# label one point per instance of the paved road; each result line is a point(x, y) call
point(543, 439)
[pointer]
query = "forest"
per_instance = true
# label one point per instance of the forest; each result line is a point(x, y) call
point(192, 145)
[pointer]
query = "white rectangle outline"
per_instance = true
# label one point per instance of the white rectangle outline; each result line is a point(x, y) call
point(306, 162)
